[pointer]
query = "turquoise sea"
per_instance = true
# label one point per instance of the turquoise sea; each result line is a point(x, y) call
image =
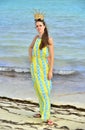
point(66, 24)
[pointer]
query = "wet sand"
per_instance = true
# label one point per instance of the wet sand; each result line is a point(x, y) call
point(67, 90)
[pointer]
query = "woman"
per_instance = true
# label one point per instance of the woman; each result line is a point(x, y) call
point(41, 56)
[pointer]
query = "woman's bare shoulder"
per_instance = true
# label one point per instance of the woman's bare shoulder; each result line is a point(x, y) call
point(36, 37)
point(50, 40)
point(33, 42)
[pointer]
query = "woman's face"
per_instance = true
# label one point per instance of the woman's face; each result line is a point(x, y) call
point(40, 27)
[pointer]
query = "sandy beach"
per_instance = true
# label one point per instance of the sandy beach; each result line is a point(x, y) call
point(18, 115)
point(18, 104)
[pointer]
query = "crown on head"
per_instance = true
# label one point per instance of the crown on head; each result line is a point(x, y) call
point(38, 15)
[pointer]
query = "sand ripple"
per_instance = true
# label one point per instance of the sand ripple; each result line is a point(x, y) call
point(18, 115)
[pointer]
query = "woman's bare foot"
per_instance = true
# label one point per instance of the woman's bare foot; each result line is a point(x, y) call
point(49, 122)
point(37, 116)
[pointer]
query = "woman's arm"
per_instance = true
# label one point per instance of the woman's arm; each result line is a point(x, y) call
point(51, 55)
point(30, 49)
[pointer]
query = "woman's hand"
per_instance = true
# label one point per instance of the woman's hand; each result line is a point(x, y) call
point(50, 75)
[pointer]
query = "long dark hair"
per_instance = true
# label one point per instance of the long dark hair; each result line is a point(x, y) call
point(45, 36)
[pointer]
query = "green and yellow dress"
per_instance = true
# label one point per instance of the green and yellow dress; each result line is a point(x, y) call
point(39, 72)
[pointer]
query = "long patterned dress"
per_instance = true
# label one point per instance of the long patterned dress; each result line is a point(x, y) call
point(39, 72)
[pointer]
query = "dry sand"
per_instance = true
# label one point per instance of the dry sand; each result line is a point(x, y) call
point(18, 114)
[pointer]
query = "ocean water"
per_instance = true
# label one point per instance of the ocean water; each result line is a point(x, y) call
point(66, 24)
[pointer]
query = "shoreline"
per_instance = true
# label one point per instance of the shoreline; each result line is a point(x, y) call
point(67, 90)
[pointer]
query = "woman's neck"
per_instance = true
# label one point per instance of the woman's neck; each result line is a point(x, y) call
point(40, 35)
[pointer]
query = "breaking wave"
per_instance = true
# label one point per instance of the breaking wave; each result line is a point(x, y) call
point(27, 70)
